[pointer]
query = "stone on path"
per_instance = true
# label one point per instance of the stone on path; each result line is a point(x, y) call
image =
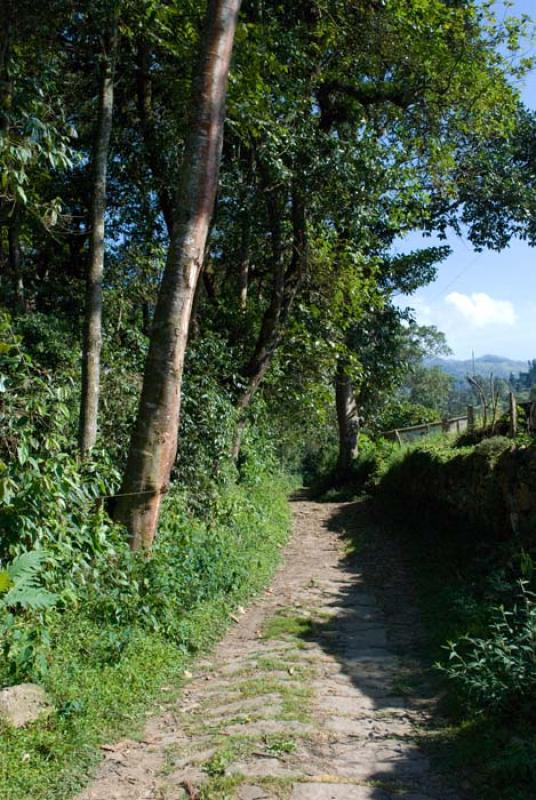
point(252, 793)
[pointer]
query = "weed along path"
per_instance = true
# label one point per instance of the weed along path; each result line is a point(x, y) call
point(310, 696)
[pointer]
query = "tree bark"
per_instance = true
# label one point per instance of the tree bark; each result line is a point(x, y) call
point(347, 419)
point(153, 445)
point(92, 342)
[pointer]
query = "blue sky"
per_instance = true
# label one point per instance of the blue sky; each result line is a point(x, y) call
point(484, 302)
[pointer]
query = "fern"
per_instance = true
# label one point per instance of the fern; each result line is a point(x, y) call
point(20, 586)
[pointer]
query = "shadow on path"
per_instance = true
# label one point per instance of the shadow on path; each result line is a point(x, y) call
point(379, 696)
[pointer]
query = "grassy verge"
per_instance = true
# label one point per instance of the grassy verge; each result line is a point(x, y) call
point(104, 678)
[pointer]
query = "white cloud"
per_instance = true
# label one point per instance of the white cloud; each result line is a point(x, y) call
point(481, 309)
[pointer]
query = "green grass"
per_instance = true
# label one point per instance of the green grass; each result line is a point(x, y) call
point(101, 694)
point(284, 624)
point(224, 787)
point(279, 744)
point(49, 760)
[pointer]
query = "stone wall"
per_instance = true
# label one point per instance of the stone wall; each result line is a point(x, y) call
point(491, 486)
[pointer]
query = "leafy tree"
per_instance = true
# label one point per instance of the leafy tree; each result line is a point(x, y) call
point(430, 387)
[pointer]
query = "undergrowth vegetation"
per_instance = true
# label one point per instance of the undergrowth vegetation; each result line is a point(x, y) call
point(111, 653)
point(100, 627)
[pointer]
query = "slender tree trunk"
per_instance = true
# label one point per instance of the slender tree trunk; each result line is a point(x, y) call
point(154, 440)
point(287, 281)
point(244, 265)
point(347, 419)
point(92, 343)
point(15, 260)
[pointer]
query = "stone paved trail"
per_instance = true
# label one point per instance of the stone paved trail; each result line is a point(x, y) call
point(310, 696)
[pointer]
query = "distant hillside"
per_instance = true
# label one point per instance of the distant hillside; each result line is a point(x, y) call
point(499, 366)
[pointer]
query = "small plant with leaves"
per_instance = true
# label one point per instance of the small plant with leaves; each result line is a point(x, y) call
point(20, 586)
point(498, 671)
point(25, 642)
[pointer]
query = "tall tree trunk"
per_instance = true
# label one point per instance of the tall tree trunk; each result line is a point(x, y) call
point(287, 281)
point(154, 440)
point(92, 343)
point(347, 419)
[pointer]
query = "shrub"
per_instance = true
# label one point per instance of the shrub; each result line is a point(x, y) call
point(24, 639)
point(217, 538)
point(498, 671)
point(404, 414)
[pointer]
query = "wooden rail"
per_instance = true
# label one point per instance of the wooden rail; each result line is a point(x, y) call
point(465, 422)
point(453, 425)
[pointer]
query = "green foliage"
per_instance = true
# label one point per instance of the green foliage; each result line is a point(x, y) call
point(312, 121)
point(473, 484)
point(404, 414)
point(193, 561)
point(498, 671)
point(208, 420)
point(430, 387)
point(19, 583)
point(107, 659)
point(24, 637)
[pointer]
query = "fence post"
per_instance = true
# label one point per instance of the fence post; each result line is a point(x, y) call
point(513, 415)
point(470, 418)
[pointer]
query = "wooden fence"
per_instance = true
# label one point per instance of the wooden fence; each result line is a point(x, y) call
point(466, 422)
point(454, 425)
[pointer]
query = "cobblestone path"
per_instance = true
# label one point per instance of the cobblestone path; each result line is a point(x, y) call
point(314, 694)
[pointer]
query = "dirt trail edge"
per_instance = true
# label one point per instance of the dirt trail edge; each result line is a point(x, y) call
point(314, 694)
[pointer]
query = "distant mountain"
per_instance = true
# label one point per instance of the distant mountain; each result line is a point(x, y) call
point(499, 366)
